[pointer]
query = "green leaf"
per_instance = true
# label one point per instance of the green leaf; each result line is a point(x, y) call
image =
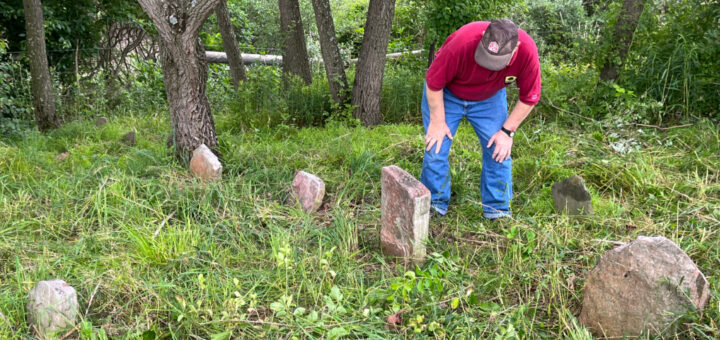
point(299, 311)
point(277, 306)
point(455, 303)
point(335, 294)
point(336, 333)
point(220, 336)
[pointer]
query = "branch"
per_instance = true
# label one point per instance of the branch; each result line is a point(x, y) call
point(198, 14)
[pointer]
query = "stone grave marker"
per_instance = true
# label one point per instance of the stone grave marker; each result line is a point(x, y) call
point(572, 197)
point(309, 190)
point(52, 306)
point(129, 138)
point(405, 214)
point(204, 164)
point(101, 121)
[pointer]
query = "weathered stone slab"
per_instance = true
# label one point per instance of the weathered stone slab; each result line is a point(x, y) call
point(639, 286)
point(572, 197)
point(309, 190)
point(52, 306)
point(205, 164)
point(405, 214)
point(101, 121)
point(129, 138)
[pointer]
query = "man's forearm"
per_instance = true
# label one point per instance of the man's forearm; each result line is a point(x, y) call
point(518, 115)
point(436, 105)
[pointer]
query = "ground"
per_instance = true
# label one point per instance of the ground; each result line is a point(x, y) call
point(154, 252)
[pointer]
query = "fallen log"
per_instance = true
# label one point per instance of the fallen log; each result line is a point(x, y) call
point(215, 57)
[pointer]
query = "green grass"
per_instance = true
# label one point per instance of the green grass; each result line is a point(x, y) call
point(152, 251)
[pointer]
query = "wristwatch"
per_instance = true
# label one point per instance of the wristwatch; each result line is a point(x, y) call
point(508, 132)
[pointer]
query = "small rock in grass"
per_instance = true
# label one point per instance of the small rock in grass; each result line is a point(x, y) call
point(309, 190)
point(101, 121)
point(405, 214)
point(572, 197)
point(204, 164)
point(641, 286)
point(61, 157)
point(52, 306)
point(129, 138)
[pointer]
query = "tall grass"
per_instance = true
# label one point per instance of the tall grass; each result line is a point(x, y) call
point(155, 253)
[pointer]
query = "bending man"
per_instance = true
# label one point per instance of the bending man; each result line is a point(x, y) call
point(467, 79)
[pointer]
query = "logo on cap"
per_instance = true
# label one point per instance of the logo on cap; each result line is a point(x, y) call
point(494, 47)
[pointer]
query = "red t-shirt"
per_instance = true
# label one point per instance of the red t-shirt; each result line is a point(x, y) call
point(454, 67)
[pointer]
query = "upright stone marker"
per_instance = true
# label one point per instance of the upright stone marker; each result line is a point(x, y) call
point(641, 286)
point(52, 306)
point(405, 214)
point(309, 190)
point(572, 197)
point(129, 138)
point(205, 164)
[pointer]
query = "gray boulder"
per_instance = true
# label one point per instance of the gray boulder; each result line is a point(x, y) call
point(641, 286)
point(52, 306)
point(572, 197)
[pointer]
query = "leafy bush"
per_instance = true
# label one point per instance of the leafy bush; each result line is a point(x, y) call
point(557, 27)
point(674, 59)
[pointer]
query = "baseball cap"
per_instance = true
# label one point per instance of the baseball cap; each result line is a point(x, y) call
point(497, 45)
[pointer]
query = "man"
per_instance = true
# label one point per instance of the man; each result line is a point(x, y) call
point(467, 79)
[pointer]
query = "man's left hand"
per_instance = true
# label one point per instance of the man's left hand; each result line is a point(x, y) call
point(503, 146)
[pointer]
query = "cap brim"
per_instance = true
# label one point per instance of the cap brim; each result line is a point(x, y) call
point(489, 61)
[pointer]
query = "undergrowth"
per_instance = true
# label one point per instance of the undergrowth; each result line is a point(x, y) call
point(154, 253)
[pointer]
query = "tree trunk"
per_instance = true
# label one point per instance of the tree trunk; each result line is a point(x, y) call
point(43, 101)
point(295, 56)
point(184, 71)
point(624, 31)
point(334, 67)
point(367, 90)
point(237, 70)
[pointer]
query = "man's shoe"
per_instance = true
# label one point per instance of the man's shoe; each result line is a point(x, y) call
point(434, 214)
point(496, 215)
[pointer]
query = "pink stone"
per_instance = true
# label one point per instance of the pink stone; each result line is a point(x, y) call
point(205, 164)
point(309, 190)
point(405, 214)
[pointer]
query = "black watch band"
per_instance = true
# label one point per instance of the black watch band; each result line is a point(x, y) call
point(508, 132)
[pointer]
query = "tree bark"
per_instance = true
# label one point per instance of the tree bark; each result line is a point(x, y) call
point(624, 31)
point(334, 67)
point(184, 71)
point(43, 101)
point(295, 56)
point(367, 90)
point(237, 70)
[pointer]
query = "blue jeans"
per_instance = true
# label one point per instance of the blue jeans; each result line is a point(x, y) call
point(486, 117)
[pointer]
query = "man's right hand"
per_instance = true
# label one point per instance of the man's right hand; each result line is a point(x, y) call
point(436, 133)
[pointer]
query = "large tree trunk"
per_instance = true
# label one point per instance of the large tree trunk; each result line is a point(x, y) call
point(184, 71)
point(367, 90)
point(334, 67)
point(624, 31)
point(295, 56)
point(43, 102)
point(237, 70)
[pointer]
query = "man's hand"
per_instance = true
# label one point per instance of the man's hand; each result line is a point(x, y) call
point(436, 132)
point(503, 146)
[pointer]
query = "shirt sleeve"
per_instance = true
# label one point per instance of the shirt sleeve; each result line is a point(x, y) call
point(442, 70)
point(529, 81)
